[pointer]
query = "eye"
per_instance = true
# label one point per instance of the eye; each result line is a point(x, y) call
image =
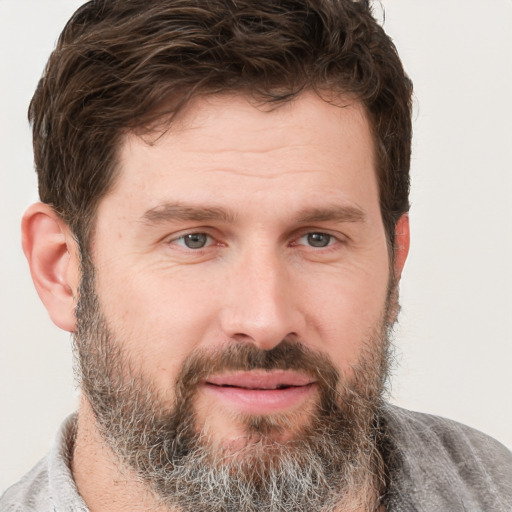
point(194, 240)
point(317, 239)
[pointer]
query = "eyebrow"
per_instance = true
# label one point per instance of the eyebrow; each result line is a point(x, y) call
point(333, 213)
point(167, 212)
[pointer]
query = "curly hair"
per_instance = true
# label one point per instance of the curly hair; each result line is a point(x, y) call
point(124, 65)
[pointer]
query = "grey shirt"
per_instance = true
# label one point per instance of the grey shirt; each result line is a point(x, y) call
point(435, 465)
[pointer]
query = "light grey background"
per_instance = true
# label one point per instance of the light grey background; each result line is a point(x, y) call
point(455, 337)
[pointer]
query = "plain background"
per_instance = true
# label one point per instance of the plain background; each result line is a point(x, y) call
point(454, 343)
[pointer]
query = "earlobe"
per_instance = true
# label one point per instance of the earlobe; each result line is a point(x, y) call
point(53, 259)
point(402, 242)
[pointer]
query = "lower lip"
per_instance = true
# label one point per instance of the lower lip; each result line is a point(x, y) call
point(261, 401)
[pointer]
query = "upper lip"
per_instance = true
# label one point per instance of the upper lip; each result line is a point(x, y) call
point(260, 379)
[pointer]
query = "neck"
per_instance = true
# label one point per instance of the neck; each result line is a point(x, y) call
point(102, 482)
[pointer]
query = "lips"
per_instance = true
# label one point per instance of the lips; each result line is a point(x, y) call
point(261, 380)
point(260, 392)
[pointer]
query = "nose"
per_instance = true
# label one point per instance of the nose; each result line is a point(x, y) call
point(261, 304)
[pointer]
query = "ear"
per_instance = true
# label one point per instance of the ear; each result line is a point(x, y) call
point(402, 242)
point(52, 255)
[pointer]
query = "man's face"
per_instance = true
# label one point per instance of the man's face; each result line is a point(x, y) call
point(243, 232)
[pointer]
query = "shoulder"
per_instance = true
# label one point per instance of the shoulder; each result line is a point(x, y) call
point(457, 441)
point(459, 463)
point(30, 494)
point(49, 486)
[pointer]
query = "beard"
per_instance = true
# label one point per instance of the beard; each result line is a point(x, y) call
point(330, 462)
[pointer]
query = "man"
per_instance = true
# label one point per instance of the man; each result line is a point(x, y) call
point(223, 227)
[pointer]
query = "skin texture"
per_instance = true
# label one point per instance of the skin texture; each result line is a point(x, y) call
point(257, 182)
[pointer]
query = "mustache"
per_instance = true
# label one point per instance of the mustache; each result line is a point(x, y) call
point(287, 355)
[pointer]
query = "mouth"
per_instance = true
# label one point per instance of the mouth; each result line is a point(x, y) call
point(260, 392)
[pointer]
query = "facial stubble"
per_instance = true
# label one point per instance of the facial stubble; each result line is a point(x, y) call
point(332, 460)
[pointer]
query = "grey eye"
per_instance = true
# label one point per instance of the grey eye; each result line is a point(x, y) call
point(318, 239)
point(195, 240)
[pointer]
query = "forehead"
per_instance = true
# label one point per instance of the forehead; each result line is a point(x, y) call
point(247, 121)
point(226, 148)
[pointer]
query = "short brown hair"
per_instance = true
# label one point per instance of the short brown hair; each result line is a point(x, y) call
point(117, 62)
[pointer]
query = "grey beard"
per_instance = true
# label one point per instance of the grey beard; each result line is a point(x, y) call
point(331, 463)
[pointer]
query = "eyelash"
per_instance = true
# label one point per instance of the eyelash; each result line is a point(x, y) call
point(184, 236)
point(332, 240)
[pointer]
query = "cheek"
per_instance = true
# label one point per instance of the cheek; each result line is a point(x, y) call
point(347, 312)
point(158, 322)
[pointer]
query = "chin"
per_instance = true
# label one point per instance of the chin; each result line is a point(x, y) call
point(240, 433)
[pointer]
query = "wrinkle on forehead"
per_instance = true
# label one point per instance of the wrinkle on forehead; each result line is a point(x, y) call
point(269, 174)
